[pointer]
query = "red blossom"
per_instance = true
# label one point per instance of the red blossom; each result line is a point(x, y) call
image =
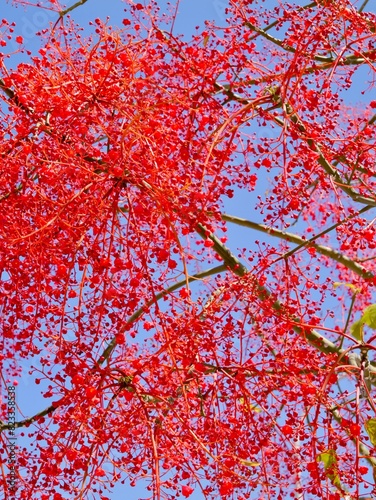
point(186, 491)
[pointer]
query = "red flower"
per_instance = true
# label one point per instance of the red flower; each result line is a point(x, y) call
point(186, 491)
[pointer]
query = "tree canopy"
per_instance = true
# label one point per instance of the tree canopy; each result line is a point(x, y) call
point(169, 347)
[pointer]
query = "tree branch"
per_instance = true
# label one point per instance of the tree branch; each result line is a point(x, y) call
point(27, 421)
point(314, 338)
point(109, 349)
point(62, 13)
point(12, 97)
point(286, 236)
point(349, 60)
point(199, 276)
point(325, 164)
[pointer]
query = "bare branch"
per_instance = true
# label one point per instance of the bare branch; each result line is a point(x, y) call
point(62, 13)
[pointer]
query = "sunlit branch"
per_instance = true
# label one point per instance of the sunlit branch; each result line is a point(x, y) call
point(326, 165)
point(62, 13)
point(282, 44)
point(290, 237)
point(349, 60)
point(263, 293)
point(353, 299)
point(314, 338)
point(199, 276)
point(229, 259)
point(329, 229)
point(363, 6)
point(276, 22)
point(338, 180)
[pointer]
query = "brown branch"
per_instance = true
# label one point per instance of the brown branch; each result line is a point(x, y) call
point(12, 97)
point(27, 421)
point(328, 167)
point(62, 13)
point(199, 276)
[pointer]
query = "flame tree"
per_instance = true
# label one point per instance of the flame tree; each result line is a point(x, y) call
point(162, 350)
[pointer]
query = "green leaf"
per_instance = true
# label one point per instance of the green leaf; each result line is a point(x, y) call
point(356, 330)
point(369, 316)
point(329, 459)
point(352, 287)
point(371, 430)
point(250, 464)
